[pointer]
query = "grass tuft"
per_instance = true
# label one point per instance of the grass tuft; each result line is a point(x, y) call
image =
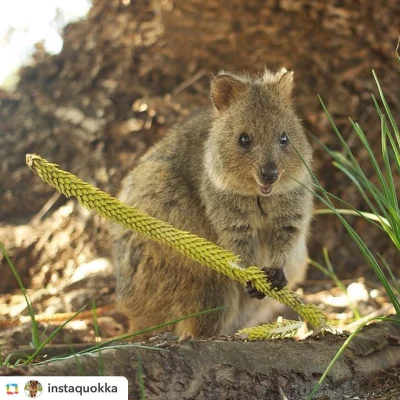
point(381, 199)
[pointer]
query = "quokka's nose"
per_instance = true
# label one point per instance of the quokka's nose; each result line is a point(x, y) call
point(269, 172)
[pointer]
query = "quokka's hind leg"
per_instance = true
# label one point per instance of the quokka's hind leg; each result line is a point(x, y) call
point(222, 293)
point(210, 324)
point(149, 311)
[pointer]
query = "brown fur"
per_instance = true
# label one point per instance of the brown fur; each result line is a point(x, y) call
point(199, 179)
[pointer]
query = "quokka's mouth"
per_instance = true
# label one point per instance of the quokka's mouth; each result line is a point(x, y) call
point(265, 189)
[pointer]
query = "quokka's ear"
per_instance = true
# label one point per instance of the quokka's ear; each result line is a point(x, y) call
point(283, 79)
point(225, 89)
point(286, 84)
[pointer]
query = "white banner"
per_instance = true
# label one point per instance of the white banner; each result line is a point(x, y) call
point(63, 387)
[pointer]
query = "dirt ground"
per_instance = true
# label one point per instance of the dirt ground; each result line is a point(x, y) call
point(129, 71)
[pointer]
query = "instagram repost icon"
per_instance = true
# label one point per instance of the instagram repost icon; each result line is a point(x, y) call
point(33, 389)
point(12, 388)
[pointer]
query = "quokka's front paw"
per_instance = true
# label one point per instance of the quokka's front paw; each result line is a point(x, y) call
point(274, 275)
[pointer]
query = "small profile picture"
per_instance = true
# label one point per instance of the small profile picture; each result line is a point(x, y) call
point(33, 389)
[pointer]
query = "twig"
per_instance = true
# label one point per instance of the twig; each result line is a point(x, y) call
point(188, 82)
point(49, 203)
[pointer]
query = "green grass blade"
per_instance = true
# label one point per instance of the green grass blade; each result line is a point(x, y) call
point(365, 215)
point(338, 354)
point(140, 379)
point(389, 175)
point(329, 274)
point(44, 343)
point(387, 109)
point(97, 335)
point(96, 350)
point(150, 329)
point(393, 201)
point(338, 134)
point(379, 198)
point(397, 51)
point(7, 360)
point(36, 342)
point(390, 272)
point(81, 368)
point(382, 220)
point(365, 143)
point(395, 145)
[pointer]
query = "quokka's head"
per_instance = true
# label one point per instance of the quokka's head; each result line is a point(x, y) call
point(256, 137)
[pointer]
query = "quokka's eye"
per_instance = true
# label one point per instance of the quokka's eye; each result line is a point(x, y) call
point(283, 140)
point(245, 140)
